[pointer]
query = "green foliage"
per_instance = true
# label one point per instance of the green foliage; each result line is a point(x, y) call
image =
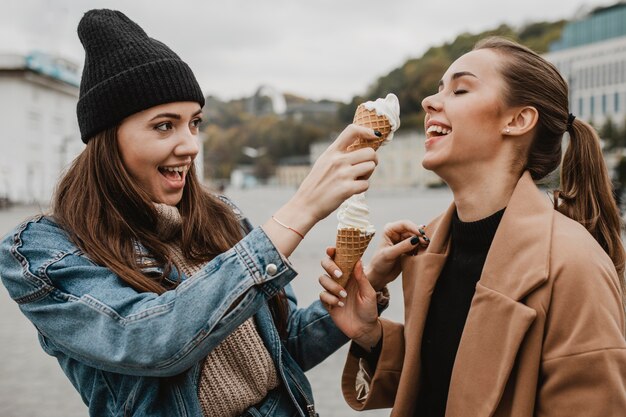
point(539, 36)
point(609, 133)
point(613, 136)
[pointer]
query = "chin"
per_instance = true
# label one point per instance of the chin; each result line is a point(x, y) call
point(170, 200)
point(430, 164)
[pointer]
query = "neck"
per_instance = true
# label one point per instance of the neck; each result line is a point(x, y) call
point(479, 196)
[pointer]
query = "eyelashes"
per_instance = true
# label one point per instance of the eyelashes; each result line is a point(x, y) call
point(166, 126)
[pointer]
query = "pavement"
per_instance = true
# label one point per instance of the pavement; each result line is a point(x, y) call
point(33, 385)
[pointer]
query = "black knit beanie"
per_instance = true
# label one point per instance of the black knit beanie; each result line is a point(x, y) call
point(126, 72)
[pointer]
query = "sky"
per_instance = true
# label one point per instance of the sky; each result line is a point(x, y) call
point(318, 49)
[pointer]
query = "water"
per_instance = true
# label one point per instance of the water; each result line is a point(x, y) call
point(32, 384)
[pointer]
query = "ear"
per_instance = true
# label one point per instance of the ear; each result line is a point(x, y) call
point(522, 121)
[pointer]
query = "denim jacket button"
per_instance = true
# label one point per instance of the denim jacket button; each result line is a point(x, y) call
point(271, 270)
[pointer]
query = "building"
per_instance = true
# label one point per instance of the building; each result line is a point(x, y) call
point(291, 171)
point(591, 55)
point(38, 96)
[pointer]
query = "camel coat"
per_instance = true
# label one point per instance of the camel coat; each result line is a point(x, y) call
point(544, 335)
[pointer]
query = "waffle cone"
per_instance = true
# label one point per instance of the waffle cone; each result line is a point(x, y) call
point(369, 118)
point(350, 246)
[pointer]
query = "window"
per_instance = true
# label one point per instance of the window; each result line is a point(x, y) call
point(33, 120)
point(580, 107)
point(591, 105)
point(603, 103)
point(616, 103)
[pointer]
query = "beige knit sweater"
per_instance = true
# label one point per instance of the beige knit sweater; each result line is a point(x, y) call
point(239, 372)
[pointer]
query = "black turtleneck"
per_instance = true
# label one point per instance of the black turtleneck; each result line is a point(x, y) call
point(449, 306)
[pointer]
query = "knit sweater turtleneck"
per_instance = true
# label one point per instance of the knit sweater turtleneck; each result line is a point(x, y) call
point(237, 373)
point(449, 306)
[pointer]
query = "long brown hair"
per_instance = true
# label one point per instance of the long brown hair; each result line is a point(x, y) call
point(586, 189)
point(105, 214)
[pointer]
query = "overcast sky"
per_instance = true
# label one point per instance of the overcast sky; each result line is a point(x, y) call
point(315, 48)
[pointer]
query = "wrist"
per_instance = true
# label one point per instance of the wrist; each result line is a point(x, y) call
point(297, 215)
point(371, 338)
point(374, 278)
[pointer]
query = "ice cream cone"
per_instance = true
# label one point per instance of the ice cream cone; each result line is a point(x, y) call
point(350, 246)
point(369, 118)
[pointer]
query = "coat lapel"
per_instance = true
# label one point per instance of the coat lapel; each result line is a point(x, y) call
point(517, 263)
point(419, 276)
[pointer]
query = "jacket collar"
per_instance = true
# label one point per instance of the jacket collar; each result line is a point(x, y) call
point(525, 231)
point(521, 246)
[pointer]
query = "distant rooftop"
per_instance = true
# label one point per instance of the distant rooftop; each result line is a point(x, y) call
point(600, 24)
point(57, 68)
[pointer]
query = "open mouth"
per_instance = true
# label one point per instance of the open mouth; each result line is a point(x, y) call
point(174, 173)
point(437, 130)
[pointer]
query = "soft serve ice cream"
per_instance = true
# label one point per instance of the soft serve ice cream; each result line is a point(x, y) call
point(354, 214)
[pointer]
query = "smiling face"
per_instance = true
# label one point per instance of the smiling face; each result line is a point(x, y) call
point(465, 119)
point(158, 146)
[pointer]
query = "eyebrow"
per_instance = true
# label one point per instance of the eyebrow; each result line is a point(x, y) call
point(459, 75)
point(173, 115)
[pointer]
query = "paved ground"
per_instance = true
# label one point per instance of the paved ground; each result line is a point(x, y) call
point(32, 384)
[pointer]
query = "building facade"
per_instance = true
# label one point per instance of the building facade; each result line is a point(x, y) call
point(591, 56)
point(38, 96)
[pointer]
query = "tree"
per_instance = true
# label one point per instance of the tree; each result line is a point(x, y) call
point(610, 134)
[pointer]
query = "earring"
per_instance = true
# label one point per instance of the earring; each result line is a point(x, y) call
point(507, 130)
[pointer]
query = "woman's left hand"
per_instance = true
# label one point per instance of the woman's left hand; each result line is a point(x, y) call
point(354, 310)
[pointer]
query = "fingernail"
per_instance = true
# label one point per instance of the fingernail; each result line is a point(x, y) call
point(415, 240)
point(343, 293)
point(377, 133)
point(423, 232)
point(338, 273)
point(426, 239)
point(340, 304)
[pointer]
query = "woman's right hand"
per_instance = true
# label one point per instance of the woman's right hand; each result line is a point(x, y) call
point(336, 175)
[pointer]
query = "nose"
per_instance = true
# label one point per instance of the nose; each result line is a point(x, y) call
point(431, 103)
point(188, 144)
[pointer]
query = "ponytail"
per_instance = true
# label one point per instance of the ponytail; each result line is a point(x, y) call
point(587, 192)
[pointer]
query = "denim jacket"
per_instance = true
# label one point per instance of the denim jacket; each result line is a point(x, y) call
point(140, 354)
